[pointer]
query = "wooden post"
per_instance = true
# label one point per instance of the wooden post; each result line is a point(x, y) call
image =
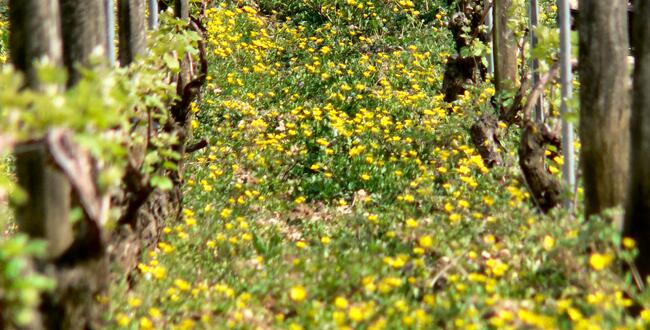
point(182, 9)
point(46, 213)
point(83, 26)
point(34, 35)
point(505, 48)
point(132, 30)
point(637, 222)
point(604, 103)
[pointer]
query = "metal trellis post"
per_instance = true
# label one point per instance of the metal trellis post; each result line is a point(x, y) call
point(153, 14)
point(110, 31)
point(534, 64)
point(489, 23)
point(567, 91)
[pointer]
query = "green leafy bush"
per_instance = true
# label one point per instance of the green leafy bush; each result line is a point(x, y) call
point(20, 284)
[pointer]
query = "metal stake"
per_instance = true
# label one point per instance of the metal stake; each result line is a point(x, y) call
point(153, 14)
point(534, 64)
point(567, 91)
point(489, 22)
point(109, 8)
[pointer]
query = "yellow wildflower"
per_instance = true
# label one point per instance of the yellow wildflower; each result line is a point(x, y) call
point(341, 303)
point(145, 323)
point(600, 261)
point(182, 285)
point(122, 319)
point(411, 223)
point(629, 243)
point(548, 243)
point(426, 241)
point(298, 293)
point(154, 313)
point(355, 314)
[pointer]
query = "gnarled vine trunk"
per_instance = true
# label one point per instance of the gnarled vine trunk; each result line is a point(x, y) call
point(147, 210)
point(461, 71)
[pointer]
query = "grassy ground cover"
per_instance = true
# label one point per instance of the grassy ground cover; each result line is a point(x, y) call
point(340, 191)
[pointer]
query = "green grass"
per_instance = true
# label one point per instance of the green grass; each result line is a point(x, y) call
point(340, 191)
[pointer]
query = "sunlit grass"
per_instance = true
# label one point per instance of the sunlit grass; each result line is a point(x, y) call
point(340, 191)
